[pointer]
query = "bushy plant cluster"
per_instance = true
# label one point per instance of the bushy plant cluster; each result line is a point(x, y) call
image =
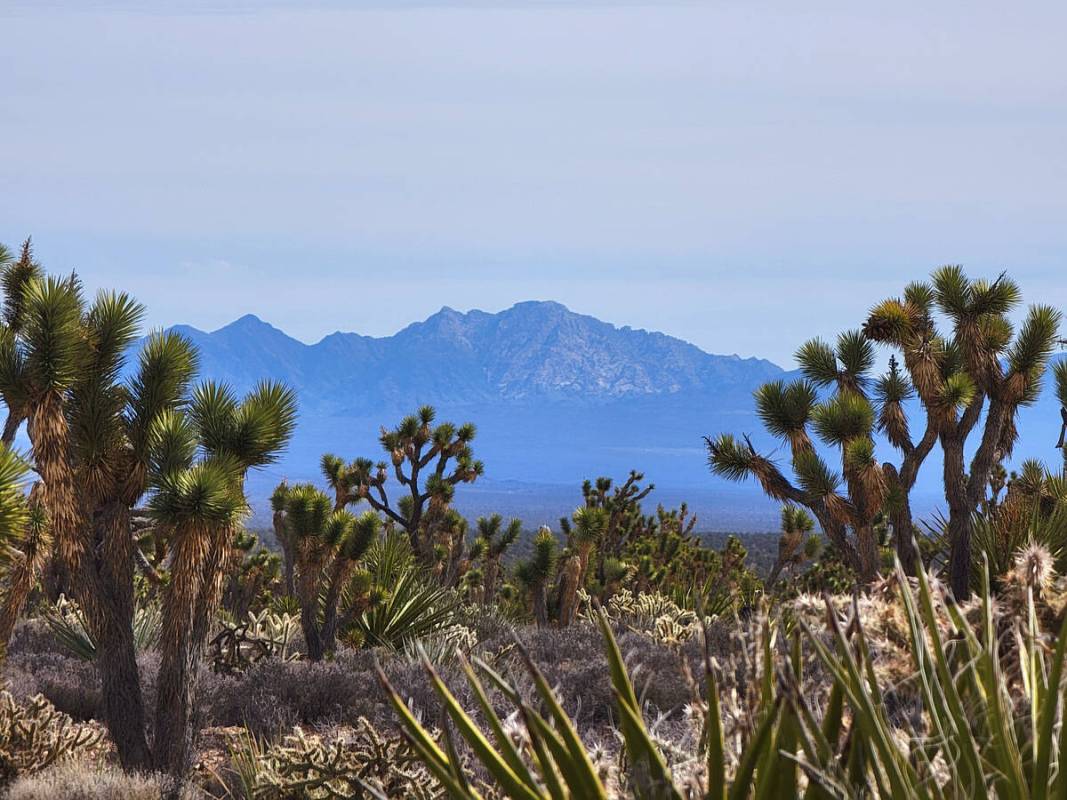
point(34, 736)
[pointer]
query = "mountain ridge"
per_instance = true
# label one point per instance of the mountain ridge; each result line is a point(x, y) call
point(557, 396)
point(534, 350)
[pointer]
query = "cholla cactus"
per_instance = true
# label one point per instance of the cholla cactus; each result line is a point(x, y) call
point(264, 635)
point(34, 735)
point(363, 764)
point(652, 614)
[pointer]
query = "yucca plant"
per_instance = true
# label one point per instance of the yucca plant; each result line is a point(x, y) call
point(981, 739)
point(405, 608)
point(554, 762)
point(1033, 512)
point(72, 631)
point(990, 721)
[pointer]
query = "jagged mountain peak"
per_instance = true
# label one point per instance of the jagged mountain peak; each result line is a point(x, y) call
point(534, 350)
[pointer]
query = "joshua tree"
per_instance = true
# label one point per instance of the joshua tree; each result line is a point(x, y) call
point(983, 365)
point(667, 553)
point(587, 532)
point(491, 543)
point(847, 368)
point(14, 276)
point(22, 541)
point(112, 451)
point(796, 525)
point(40, 361)
point(254, 582)
point(201, 502)
point(284, 536)
point(537, 572)
point(846, 422)
point(428, 462)
point(624, 521)
point(328, 545)
point(1060, 371)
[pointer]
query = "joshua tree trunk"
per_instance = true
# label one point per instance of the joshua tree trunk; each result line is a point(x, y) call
point(339, 574)
point(492, 568)
point(959, 518)
point(113, 623)
point(58, 497)
point(312, 635)
point(307, 586)
point(282, 534)
point(539, 601)
point(965, 490)
point(901, 520)
point(569, 583)
point(776, 570)
point(180, 655)
point(867, 544)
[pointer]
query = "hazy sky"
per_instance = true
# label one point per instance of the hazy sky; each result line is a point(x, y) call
point(740, 174)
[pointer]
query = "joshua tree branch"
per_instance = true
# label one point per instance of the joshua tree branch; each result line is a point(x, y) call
point(970, 416)
point(913, 460)
point(986, 455)
point(382, 506)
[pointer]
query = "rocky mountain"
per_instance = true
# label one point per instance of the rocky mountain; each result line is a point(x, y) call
point(557, 397)
point(533, 351)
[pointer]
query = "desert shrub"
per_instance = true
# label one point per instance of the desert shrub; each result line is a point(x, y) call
point(32, 635)
point(274, 695)
point(361, 763)
point(70, 684)
point(78, 780)
point(34, 735)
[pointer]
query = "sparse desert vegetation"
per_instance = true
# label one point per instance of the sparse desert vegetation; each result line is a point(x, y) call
point(390, 647)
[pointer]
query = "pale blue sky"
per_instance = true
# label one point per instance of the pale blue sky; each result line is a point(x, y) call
point(740, 174)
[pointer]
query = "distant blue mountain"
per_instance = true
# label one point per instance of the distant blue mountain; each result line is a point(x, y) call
point(557, 397)
point(532, 352)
